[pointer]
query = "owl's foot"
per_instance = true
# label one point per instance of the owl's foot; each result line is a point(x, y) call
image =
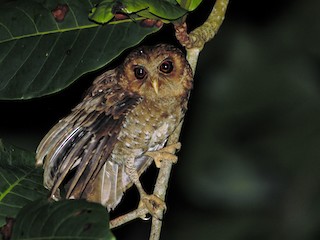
point(154, 205)
point(166, 153)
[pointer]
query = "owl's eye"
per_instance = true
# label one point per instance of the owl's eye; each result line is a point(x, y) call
point(139, 72)
point(166, 67)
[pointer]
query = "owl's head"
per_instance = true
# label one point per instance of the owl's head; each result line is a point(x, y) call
point(158, 71)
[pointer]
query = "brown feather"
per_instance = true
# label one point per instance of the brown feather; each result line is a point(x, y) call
point(76, 137)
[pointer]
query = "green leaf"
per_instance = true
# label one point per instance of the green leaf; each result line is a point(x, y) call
point(102, 13)
point(189, 5)
point(161, 9)
point(39, 55)
point(10, 155)
point(20, 182)
point(154, 9)
point(67, 219)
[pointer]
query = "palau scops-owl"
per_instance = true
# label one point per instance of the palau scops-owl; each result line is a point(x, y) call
point(104, 145)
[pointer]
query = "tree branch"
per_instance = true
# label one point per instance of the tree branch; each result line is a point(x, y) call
point(194, 43)
point(138, 213)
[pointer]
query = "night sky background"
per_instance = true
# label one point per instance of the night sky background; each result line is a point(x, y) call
point(249, 167)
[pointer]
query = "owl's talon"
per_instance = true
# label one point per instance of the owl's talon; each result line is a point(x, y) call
point(154, 204)
point(145, 217)
point(172, 148)
point(166, 153)
point(158, 157)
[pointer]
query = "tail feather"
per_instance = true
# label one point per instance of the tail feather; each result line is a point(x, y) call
point(86, 168)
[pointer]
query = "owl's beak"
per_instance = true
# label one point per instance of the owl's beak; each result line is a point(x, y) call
point(155, 85)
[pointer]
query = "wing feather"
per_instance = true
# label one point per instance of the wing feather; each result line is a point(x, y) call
point(88, 164)
point(56, 178)
point(79, 145)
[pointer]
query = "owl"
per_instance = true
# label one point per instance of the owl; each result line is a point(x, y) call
point(103, 146)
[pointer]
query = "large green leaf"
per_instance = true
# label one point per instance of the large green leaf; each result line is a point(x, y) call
point(11, 155)
point(189, 5)
point(164, 10)
point(20, 182)
point(67, 219)
point(39, 55)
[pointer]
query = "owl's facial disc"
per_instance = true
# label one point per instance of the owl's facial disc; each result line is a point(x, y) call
point(156, 72)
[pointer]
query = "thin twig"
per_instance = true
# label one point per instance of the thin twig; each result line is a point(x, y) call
point(161, 185)
point(138, 213)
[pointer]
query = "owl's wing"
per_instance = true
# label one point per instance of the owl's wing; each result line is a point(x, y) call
point(81, 143)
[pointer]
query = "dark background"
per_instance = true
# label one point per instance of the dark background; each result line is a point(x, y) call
point(249, 165)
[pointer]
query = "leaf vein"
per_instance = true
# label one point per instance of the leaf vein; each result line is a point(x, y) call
point(74, 16)
point(26, 59)
point(10, 205)
point(8, 81)
point(28, 86)
point(5, 179)
point(52, 212)
point(50, 32)
point(21, 196)
point(86, 49)
point(64, 58)
point(8, 190)
point(107, 41)
point(28, 16)
point(5, 27)
point(30, 180)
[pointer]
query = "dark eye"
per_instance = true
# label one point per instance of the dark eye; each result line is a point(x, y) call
point(139, 72)
point(166, 67)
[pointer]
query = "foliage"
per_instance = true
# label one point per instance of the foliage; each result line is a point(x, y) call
point(189, 5)
point(40, 55)
point(152, 9)
point(67, 219)
point(23, 197)
point(46, 45)
point(20, 182)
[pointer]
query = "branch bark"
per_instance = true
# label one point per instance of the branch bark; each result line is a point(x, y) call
point(194, 43)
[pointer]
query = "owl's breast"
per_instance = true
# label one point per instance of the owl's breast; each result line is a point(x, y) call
point(146, 128)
